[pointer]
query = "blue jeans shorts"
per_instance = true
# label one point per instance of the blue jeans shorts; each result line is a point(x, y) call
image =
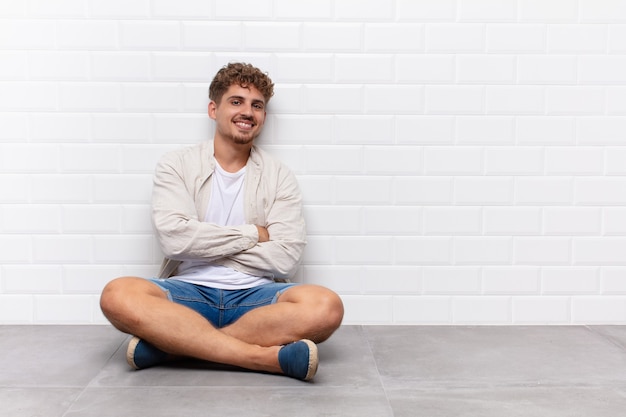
point(221, 307)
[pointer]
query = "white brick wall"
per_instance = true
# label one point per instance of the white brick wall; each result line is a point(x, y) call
point(462, 161)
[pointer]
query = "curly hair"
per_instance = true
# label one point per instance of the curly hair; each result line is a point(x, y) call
point(242, 74)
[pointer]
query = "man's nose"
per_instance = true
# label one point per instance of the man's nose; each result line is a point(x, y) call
point(246, 110)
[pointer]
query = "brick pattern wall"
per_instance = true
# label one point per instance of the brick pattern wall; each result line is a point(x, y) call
point(462, 161)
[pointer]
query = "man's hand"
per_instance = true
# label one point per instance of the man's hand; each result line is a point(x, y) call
point(264, 235)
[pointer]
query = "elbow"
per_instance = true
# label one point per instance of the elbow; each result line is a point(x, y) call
point(171, 248)
point(290, 263)
point(171, 253)
point(172, 236)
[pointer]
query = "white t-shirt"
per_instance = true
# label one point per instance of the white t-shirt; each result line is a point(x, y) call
point(225, 209)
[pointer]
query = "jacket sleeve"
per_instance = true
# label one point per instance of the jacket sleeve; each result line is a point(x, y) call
point(280, 256)
point(180, 232)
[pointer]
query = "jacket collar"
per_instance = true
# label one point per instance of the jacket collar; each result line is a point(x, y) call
point(208, 162)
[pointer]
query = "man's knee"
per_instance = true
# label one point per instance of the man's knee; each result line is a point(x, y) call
point(325, 312)
point(332, 309)
point(120, 296)
point(112, 297)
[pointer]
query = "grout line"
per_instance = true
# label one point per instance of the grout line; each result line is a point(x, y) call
point(365, 334)
point(612, 340)
point(90, 383)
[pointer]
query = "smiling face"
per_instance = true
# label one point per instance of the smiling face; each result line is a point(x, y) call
point(239, 114)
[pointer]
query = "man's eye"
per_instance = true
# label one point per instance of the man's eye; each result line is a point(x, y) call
point(258, 106)
point(235, 102)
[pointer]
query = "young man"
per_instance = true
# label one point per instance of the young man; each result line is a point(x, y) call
point(229, 220)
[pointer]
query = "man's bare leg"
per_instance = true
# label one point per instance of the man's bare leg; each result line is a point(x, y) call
point(139, 307)
point(302, 312)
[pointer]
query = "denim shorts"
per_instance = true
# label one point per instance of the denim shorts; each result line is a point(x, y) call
point(221, 307)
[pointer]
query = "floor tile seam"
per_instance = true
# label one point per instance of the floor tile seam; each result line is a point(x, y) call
point(613, 384)
point(106, 362)
point(87, 386)
point(370, 349)
point(615, 342)
point(368, 340)
point(71, 404)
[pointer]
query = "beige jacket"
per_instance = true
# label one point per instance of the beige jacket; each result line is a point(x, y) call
point(272, 199)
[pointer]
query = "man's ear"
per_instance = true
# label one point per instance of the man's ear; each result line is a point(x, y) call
point(212, 108)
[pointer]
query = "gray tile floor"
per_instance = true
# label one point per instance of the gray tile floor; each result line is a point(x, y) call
point(486, 371)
